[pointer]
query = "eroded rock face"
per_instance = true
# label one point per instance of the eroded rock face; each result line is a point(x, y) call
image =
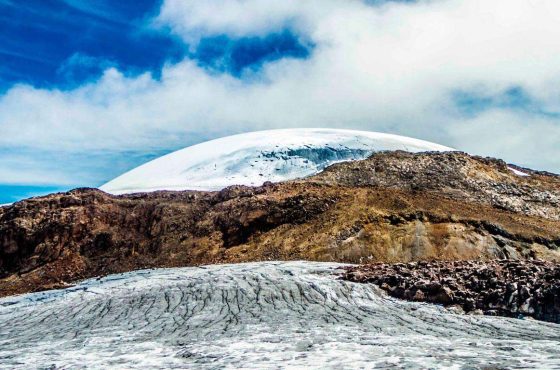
point(382, 209)
point(50, 241)
point(499, 287)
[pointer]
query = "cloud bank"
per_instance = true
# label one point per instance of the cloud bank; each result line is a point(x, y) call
point(436, 70)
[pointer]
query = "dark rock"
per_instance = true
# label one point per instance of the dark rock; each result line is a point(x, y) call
point(509, 288)
point(444, 296)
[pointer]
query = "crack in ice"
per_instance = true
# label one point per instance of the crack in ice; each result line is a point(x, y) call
point(255, 315)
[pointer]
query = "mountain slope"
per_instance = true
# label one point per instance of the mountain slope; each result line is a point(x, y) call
point(391, 207)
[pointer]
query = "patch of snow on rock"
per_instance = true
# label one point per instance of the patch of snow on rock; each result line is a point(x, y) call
point(517, 172)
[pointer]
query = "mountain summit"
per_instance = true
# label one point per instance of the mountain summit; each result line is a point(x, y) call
point(256, 157)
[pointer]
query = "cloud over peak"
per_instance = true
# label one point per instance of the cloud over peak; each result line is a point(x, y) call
point(438, 70)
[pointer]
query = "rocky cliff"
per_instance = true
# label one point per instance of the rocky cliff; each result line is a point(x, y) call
point(391, 207)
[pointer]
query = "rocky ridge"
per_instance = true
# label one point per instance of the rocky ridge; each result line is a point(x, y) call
point(392, 207)
point(500, 287)
point(458, 176)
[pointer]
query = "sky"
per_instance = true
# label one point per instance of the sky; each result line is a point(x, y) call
point(91, 89)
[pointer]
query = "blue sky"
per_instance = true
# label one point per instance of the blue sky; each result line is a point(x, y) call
point(55, 43)
point(90, 89)
point(65, 43)
point(62, 44)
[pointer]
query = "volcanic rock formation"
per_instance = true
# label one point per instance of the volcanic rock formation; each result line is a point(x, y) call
point(391, 207)
point(501, 287)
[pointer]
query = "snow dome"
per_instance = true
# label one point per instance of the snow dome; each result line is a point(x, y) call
point(255, 157)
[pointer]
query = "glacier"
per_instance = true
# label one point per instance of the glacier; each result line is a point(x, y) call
point(259, 315)
point(255, 157)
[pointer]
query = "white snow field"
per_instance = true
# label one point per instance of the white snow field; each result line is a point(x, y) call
point(256, 157)
point(267, 315)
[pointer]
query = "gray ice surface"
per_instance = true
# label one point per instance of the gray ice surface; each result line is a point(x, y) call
point(268, 315)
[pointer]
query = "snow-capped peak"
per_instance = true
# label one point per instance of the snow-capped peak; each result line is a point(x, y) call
point(256, 157)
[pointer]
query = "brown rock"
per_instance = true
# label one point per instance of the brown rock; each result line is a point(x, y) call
point(420, 207)
point(419, 296)
point(444, 296)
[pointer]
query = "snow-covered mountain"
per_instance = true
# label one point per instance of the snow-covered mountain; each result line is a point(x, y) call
point(256, 157)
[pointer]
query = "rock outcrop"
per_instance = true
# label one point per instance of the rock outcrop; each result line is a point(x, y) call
point(500, 287)
point(458, 176)
point(392, 207)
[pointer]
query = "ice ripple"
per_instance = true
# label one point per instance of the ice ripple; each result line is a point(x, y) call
point(256, 315)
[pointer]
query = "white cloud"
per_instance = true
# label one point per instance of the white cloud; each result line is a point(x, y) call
point(388, 68)
point(532, 141)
